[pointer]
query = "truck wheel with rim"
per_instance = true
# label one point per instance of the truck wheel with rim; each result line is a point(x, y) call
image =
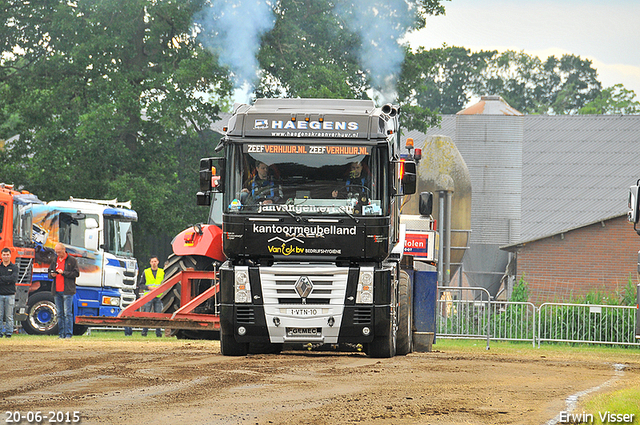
point(42, 316)
point(171, 299)
point(405, 315)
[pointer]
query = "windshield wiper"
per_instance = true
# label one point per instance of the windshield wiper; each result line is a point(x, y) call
point(343, 208)
point(295, 216)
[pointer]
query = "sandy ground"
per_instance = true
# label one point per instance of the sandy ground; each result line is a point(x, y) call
point(169, 381)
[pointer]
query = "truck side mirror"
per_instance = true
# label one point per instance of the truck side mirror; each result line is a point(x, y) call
point(91, 239)
point(408, 176)
point(632, 215)
point(212, 174)
point(91, 223)
point(426, 203)
point(203, 198)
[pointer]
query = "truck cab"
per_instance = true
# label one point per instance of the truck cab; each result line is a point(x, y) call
point(99, 235)
point(15, 234)
point(311, 198)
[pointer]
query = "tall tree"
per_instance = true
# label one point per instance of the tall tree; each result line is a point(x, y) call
point(99, 93)
point(309, 54)
point(559, 86)
point(613, 100)
point(316, 46)
point(446, 79)
point(438, 81)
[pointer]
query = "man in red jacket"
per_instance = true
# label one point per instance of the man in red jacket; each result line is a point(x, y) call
point(64, 271)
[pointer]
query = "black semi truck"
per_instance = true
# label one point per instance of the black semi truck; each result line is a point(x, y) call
point(311, 192)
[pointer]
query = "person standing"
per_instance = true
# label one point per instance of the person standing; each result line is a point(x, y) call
point(8, 279)
point(64, 271)
point(151, 279)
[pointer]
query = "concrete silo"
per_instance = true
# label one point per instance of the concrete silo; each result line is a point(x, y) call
point(441, 159)
point(489, 136)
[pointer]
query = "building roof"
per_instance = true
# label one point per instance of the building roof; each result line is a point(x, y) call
point(490, 105)
point(576, 169)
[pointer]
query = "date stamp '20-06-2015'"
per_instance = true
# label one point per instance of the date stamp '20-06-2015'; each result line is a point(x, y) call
point(40, 417)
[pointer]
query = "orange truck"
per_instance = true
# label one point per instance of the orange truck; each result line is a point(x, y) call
point(15, 234)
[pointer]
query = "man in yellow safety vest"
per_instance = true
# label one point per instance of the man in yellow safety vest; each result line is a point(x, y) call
point(150, 279)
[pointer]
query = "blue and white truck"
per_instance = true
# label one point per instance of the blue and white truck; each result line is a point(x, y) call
point(99, 234)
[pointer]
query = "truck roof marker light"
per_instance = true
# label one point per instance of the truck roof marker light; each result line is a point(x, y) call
point(307, 118)
point(321, 118)
point(293, 118)
point(409, 143)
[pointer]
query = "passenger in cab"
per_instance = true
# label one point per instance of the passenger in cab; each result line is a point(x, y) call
point(357, 182)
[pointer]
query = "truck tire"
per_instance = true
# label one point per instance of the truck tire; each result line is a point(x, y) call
point(405, 315)
point(42, 317)
point(384, 346)
point(230, 347)
point(171, 300)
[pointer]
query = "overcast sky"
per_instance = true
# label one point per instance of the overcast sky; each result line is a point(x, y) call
point(607, 33)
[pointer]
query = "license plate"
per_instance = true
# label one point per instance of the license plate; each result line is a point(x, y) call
point(303, 311)
point(302, 332)
point(131, 265)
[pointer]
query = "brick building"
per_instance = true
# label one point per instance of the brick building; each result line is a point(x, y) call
point(597, 257)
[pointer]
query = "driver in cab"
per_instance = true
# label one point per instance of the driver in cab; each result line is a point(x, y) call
point(261, 188)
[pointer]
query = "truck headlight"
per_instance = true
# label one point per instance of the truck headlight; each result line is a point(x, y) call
point(241, 285)
point(111, 301)
point(364, 294)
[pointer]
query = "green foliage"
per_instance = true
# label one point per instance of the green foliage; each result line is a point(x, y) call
point(629, 295)
point(444, 80)
point(309, 53)
point(436, 81)
point(107, 99)
point(558, 86)
point(613, 100)
point(520, 291)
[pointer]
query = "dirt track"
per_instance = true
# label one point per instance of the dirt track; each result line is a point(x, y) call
point(174, 382)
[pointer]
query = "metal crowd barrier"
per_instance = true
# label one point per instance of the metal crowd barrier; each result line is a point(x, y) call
point(587, 323)
point(469, 313)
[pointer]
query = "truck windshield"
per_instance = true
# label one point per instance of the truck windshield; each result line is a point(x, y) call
point(119, 237)
point(22, 219)
point(308, 178)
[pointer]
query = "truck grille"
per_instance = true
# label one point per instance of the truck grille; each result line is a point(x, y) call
point(362, 316)
point(245, 315)
point(25, 269)
point(279, 284)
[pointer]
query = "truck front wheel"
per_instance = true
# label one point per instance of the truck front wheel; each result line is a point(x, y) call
point(384, 345)
point(42, 317)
